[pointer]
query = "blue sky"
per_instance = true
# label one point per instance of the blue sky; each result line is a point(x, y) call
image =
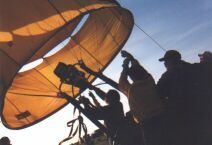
point(185, 25)
point(182, 25)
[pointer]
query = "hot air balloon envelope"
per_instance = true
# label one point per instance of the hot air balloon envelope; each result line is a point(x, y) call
point(29, 29)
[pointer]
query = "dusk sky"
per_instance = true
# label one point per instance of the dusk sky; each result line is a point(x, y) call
point(184, 25)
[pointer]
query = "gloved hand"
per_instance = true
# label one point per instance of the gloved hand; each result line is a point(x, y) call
point(91, 95)
point(84, 100)
point(82, 64)
point(126, 54)
point(125, 64)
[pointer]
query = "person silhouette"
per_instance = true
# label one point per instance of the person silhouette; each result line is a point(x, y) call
point(187, 90)
point(141, 93)
point(205, 57)
point(202, 93)
point(145, 105)
point(112, 113)
point(5, 141)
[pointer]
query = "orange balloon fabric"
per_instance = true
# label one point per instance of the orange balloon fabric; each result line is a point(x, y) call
point(30, 29)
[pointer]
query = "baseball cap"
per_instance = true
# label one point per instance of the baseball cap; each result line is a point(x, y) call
point(171, 55)
point(206, 54)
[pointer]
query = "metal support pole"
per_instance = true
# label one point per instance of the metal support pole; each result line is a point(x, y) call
point(101, 76)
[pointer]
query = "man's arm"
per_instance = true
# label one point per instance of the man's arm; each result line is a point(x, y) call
point(97, 104)
point(124, 84)
point(100, 113)
point(128, 56)
point(98, 91)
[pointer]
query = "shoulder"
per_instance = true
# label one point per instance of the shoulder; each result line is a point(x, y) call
point(166, 74)
point(117, 106)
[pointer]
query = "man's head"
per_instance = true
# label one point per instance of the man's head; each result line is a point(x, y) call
point(206, 57)
point(112, 96)
point(5, 141)
point(171, 58)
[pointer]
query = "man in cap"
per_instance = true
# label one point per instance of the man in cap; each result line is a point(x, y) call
point(175, 69)
point(203, 95)
point(178, 88)
point(203, 70)
point(172, 59)
point(205, 57)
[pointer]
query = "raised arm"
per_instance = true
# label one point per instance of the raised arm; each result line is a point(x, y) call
point(98, 91)
point(97, 104)
point(128, 56)
point(124, 84)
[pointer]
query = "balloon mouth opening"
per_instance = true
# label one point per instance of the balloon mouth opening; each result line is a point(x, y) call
point(57, 48)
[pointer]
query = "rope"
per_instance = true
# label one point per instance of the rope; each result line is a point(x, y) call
point(81, 127)
point(156, 42)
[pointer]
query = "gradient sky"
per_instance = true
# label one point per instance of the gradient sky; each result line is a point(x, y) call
point(185, 25)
